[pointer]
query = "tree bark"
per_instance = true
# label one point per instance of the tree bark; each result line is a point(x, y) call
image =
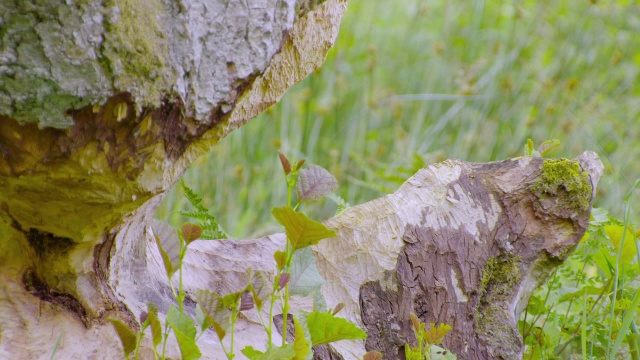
point(103, 107)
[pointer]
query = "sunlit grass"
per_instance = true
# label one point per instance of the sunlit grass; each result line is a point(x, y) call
point(510, 70)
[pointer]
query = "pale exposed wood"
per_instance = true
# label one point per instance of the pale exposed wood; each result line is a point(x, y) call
point(426, 249)
point(109, 104)
point(102, 120)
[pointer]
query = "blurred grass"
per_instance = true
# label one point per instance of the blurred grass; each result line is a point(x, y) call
point(511, 70)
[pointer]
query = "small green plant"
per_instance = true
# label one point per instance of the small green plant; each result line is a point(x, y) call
point(211, 229)
point(427, 339)
point(542, 150)
point(221, 312)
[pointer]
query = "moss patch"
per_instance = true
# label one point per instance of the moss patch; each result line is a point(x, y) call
point(563, 178)
point(499, 276)
point(137, 50)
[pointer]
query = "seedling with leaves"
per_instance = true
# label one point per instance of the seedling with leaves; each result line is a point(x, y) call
point(173, 247)
point(427, 339)
point(542, 150)
point(221, 312)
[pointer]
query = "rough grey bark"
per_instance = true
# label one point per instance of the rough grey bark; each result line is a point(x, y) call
point(103, 105)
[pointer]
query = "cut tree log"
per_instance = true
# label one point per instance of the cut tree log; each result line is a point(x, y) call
point(460, 243)
point(104, 105)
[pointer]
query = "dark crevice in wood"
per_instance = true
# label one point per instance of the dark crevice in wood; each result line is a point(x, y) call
point(44, 243)
point(36, 287)
point(101, 264)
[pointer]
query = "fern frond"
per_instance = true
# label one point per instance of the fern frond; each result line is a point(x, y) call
point(210, 226)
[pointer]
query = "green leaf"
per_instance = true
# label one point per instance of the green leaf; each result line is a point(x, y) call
point(281, 259)
point(412, 353)
point(259, 289)
point(618, 236)
point(326, 328)
point(547, 146)
point(536, 306)
point(343, 205)
point(604, 260)
point(276, 353)
point(232, 300)
point(218, 315)
point(528, 148)
point(599, 216)
point(302, 340)
point(305, 277)
point(202, 319)
point(315, 182)
point(191, 232)
point(250, 352)
point(626, 321)
point(169, 245)
point(185, 331)
point(154, 322)
point(126, 335)
point(591, 290)
point(181, 322)
point(435, 335)
point(301, 231)
point(438, 353)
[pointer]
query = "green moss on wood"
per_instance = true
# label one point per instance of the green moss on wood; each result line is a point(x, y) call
point(499, 277)
point(137, 50)
point(565, 179)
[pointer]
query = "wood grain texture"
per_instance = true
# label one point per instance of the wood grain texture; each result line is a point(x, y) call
point(459, 243)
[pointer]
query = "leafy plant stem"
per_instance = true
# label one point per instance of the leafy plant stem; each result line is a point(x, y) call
point(626, 321)
point(285, 315)
point(560, 349)
point(535, 319)
point(138, 338)
point(289, 256)
point(584, 327)
point(272, 302)
point(234, 317)
point(566, 315)
point(165, 336)
point(627, 210)
point(181, 295)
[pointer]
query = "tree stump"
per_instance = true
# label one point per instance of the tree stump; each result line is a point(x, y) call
point(104, 105)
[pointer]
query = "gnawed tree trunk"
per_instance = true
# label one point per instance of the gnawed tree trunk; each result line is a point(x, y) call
point(459, 243)
point(102, 115)
point(103, 105)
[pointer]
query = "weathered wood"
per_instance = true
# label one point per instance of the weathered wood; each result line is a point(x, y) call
point(459, 243)
point(103, 106)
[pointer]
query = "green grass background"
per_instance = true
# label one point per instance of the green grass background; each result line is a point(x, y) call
point(511, 70)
